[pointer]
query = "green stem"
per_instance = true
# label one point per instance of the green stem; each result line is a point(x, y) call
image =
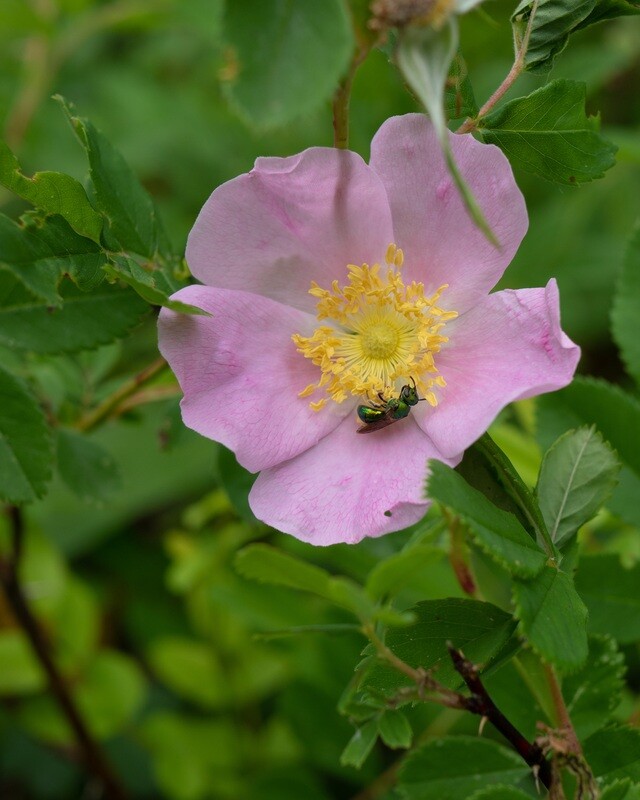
point(518, 490)
point(390, 657)
point(36, 75)
point(518, 65)
point(112, 403)
point(459, 554)
point(563, 720)
point(342, 97)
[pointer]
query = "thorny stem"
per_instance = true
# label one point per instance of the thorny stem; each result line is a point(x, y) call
point(518, 65)
point(112, 403)
point(562, 713)
point(517, 489)
point(564, 747)
point(89, 749)
point(479, 702)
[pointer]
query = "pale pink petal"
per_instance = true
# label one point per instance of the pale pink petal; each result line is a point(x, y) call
point(349, 485)
point(241, 374)
point(291, 221)
point(441, 242)
point(507, 348)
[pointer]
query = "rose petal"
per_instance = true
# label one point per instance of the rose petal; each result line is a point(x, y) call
point(291, 221)
point(440, 241)
point(341, 489)
point(507, 348)
point(241, 374)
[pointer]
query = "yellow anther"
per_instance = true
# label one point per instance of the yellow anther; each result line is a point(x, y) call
point(390, 254)
point(383, 334)
point(310, 389)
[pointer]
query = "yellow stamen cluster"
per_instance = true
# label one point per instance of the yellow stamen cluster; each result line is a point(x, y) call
point(382, 335)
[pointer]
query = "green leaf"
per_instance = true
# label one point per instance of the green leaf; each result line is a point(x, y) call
point(287, 58)
point(621, 790)
point(21, 672)
point(190, 669)
point(132, 219)
point(151, 285)
point(268, 565)
point(624, 316)
point(192, 756)
point(54, 193)
point(392, 574)
point(38, 253)
point(609, 9)
point(86, 467)
point(578, 474)
point(497, 532)
point(500, 793)
point(549, 134)
point(25, 443)
point(453, 768)
point(613, 753)
point(615, 414)
point(262, 563)
point(76, 623)
point(85, 321)
point(554, 618)
point(553, 23)
point(394, 729)
point(108, 694)
point(593, 693)
point(480, 629)
point(424, 56)
point(612, 594)
point(236, 481)
point(360, 745)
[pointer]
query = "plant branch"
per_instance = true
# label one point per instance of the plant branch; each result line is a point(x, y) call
point(480, 703)
point(518, 65)
point(562, 712)
point(89, 749)
point(111, 404)
point(564, 748)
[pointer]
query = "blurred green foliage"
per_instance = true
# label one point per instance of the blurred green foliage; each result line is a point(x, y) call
point(133, 577)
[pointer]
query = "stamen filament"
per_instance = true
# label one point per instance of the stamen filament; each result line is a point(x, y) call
point(382, 335)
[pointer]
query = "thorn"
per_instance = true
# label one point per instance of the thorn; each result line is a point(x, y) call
point(536, 769)
point(483, 722)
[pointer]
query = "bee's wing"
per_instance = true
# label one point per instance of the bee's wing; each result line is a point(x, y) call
point(377, 425)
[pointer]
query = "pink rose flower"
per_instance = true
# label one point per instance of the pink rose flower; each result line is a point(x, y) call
point(332, 283)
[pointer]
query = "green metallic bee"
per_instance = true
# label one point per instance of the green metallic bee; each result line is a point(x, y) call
point(389, 411)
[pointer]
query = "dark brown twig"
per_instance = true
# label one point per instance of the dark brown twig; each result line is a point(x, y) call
point(480, 703)
point(90, 751)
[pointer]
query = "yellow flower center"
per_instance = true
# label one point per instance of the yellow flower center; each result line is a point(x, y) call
point(383, 335)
